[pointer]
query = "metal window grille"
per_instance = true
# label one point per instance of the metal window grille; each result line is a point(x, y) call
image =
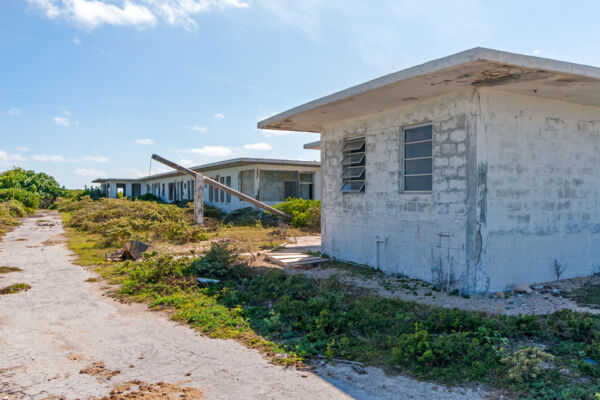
point(353, 165)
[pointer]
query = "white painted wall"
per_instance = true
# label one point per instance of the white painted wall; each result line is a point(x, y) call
point(516, 185)
point(543, 178)
point(420, 235)
point(233, 172)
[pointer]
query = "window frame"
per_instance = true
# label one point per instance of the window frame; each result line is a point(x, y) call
point(346, 176)
point(403, 158)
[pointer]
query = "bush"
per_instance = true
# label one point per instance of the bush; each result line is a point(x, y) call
point(214, 212)
point(26, 198)
point(149, 197)
point(247, 216)
point(40, 184)
point(10, 211)
point(220, 262)
point(304, 213)
point(524, 365)
point(119, 220)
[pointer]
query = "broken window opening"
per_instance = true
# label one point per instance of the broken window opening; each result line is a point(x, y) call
point(228, 183)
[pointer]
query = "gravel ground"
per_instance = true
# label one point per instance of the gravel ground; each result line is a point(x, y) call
point(545, 299)
point(65, 338)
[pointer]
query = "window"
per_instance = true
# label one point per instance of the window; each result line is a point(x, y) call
point(418, 150)
point(228, 183)
point(289, 190)
point(222, 193)
point(210, 193)
point(306, 185)
point(163, 191)
point(353, 165)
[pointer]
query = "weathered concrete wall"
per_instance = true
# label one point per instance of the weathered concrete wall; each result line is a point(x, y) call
point(267, 182)
point(543, 188)
point(420, 235)
point(247, 182)
point(272, 184)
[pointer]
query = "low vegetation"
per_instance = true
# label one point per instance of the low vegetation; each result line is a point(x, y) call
point(304, 213)
point(293, 318)
point(5, 270)
point(120, 220)
point(16, 288)
point(10, 212)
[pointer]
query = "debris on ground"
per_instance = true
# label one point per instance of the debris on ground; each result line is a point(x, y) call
point(137, 390)
point(524, 289)
point(132, 250)
point(99, 370)
point(207, 280)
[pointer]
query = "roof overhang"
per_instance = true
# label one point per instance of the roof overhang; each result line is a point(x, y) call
point(313, 145)
point(236, 162)
point(478, 67)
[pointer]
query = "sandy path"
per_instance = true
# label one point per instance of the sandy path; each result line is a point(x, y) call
point(64, 324)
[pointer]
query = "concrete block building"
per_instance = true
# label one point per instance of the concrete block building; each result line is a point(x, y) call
point(268, 180)
point(478, 170)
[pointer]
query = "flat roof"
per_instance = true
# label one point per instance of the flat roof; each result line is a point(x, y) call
point(313, 145)
point(235, 162)
point(477, 67)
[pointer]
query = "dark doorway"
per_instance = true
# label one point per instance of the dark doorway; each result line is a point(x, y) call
point(136, 190)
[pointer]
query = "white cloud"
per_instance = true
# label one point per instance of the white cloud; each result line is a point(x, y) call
point(76, 41)
point(219, 116)
point(23, 149)
point(537, 52)
point(181, 12)
point(96, 173)
point(89, 14)
point(48, 6)
point(258, 146)
point(197, 128)
point(99, 159)
point(146, 141)
point(5, 157)
point(14, 111)
point(211, 151)
point(303, 15)
point(52, 158)
point(186, 162)
point(62, 121)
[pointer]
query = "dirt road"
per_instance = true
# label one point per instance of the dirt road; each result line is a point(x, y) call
point(63, 337)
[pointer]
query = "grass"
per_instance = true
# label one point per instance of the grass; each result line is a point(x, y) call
point(16, 288)
point(587, 296)
point(5, 270)
point(292, 318)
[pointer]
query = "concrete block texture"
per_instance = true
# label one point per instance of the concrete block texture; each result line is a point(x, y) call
point(516, 183)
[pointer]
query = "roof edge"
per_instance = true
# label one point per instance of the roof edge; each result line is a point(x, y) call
point(476, 53)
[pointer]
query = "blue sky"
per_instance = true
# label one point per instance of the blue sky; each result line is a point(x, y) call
point(91, 88)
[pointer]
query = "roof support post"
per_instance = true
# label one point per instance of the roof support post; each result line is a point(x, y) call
point(199, 199)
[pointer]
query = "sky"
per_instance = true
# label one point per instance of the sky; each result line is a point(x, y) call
point(91, 88)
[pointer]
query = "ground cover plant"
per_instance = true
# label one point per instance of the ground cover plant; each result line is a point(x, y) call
point(304, 213)
point(120, 220)
point(16, 288)
point(541, 357)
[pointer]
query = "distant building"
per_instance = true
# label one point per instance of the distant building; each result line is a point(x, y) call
point(477, 170)
point(270, 181)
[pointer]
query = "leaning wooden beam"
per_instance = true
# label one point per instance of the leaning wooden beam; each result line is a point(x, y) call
point(222, 187)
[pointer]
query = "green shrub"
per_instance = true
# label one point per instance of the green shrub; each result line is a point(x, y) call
point(213, 212)
point(304, 213)
point(28, 199)
point(119, 220)
point(40, 184)
point(149, 197)
point(220, 262)
point(247, 216)
point(524, 365)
